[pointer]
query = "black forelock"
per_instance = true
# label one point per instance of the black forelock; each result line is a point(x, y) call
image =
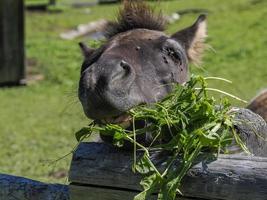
point(135, 14)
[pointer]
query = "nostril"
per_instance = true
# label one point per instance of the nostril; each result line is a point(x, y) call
point(121, 72)
point(125, 66)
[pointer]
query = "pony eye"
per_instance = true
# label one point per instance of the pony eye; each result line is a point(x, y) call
point(175, 55)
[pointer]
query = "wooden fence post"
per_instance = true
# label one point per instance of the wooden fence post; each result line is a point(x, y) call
point(12, 67)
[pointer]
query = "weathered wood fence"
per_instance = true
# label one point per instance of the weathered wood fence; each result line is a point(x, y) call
point(18, 188)
point(99, 171)
point(11, 42)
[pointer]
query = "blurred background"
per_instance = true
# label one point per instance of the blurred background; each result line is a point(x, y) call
point(38, 120)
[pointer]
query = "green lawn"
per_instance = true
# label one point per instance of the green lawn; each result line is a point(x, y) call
point(37, 122)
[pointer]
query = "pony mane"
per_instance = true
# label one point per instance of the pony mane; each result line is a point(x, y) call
point(133, 15)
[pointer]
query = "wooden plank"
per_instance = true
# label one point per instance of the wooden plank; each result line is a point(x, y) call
point(78, 192)
point(230, 177)
point(18, 188)
point(85, 29)
point(93, 193)
point(107, 1)
point(11, 41)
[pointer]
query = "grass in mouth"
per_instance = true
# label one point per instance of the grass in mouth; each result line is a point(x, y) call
point(186, 123)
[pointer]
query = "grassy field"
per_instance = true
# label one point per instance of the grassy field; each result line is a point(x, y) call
point(37, 122)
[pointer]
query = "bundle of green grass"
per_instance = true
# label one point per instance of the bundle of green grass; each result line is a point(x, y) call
point(186, 123)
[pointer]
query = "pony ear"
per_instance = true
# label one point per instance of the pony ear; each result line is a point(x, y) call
point(259, 104)
point(193, 38)
point(85, 50)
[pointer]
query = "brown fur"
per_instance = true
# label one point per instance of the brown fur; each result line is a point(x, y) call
point(136, 14)
point(259, 105)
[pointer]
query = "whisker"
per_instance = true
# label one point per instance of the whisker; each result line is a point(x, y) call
point(69, 106)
